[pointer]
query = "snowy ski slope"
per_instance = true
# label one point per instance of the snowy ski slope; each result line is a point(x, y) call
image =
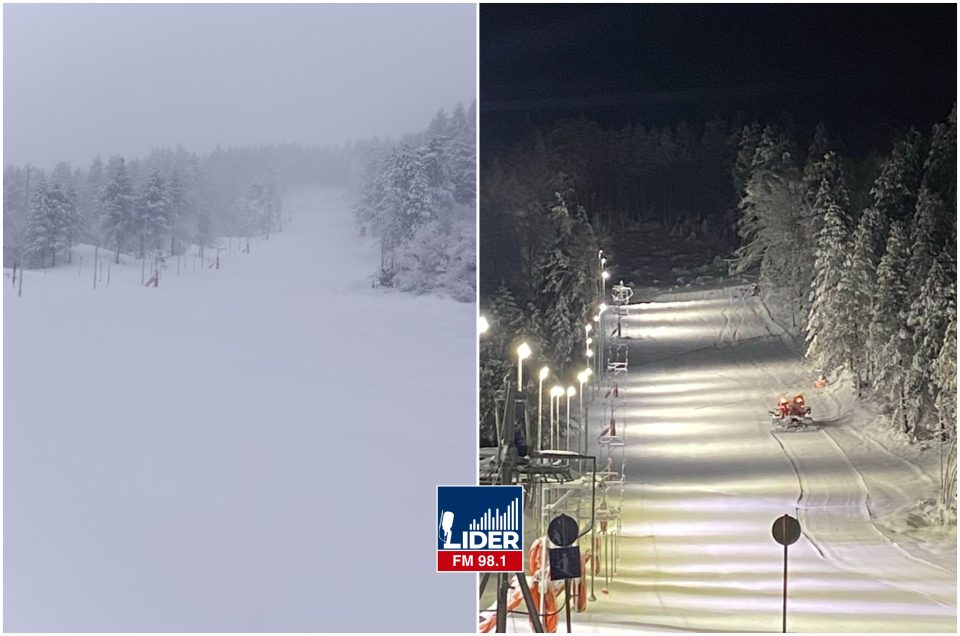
point(253, 448)
point(706, 479)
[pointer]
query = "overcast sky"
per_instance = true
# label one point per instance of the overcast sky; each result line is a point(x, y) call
point(83, 80)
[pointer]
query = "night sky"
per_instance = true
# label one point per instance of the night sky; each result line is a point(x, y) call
point(866, 71)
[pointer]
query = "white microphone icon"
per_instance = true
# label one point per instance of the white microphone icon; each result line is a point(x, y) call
point(446, 526)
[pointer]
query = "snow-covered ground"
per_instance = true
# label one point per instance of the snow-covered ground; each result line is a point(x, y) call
point(707, 478)
point(253, 448)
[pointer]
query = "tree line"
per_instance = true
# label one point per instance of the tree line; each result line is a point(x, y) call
point(418, 198)
point(161, 203)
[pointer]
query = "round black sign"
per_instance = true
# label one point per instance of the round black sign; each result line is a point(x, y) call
point(786, 530)
point(563, 530)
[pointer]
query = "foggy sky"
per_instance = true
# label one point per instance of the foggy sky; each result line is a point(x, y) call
point(83, 80)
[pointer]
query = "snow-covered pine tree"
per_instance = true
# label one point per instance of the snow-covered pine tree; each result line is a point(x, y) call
point(439, 125)
point(89, 196)
point(118, 220)
point(830, 324)
point(177, 197)
point(940, 167)
point(63, 219)
point(895, 189)
point(254, 212)
point(562, 301)
point(39, 230)
point(153, 212)
point(945, 380)
point(858, 286)
point(888, 341)
point(749, 139)
point(927, 321)
point(926, 238)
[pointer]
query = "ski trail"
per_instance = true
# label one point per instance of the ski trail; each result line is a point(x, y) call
point(834, 513)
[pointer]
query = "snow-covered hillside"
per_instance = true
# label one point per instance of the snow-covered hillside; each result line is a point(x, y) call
point(253, 448)
point(706, 478)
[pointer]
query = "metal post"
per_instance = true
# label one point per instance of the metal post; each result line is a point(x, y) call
point(785, 588)
point(540, 417)
point(566, 601)
point(528, 599)
point(502, 584)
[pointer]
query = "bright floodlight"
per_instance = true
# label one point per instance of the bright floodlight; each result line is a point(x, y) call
point(603, 307)
point(596, 318)
point(605, 274)
point(588, 328)
point(588, 371)
point(600, 254)
point(544, 372)
point(557, 391)
point(571, 391)
point(589, 352)
point(523, 351)
point(582, 377)
point(603, 261)
point(482, 325)
point(589, 341)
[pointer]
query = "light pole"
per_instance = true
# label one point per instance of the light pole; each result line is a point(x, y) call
point(603, 336)
point(570, 393)
point(596, 362)
point(523, 352)
point(604, 275)
point(582, 378)
point(555, 393)
point(544, 372)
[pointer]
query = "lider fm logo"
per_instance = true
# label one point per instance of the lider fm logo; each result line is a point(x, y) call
point(479, 528)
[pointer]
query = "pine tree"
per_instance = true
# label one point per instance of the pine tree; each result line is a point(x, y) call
point(177, 198)
point(39, 230)
point(118, 219)
point(945, 382)
point(64, 222)
point(895, 190)
point(940, 167)
point(768, 224)
point(153, 212)
point(830, 325)
point(563, 301)
point(888, 339)
point(926, 238)
point(749, 139)
point(858, 286)
point(927, 321)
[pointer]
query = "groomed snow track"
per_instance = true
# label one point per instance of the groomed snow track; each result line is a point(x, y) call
point(707, 477)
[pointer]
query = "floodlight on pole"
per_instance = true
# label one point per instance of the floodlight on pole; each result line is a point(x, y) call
point(523, 352)
point(544, 372)
point(482, 325)
point(555, 393)
point(582, 378)
point(570, 393)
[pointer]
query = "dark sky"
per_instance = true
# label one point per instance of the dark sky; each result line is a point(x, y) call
point(864, 70)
